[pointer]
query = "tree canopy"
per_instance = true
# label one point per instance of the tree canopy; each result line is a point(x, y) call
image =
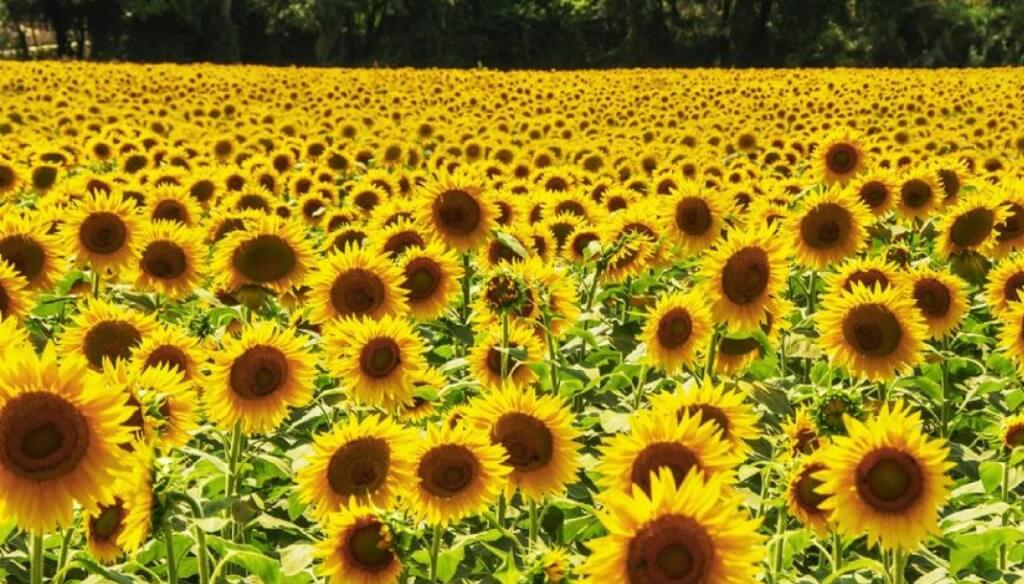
point(530, 33)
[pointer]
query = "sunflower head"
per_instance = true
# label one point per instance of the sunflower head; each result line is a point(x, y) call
point(841, 158)
point(358, 546)
point(677, 327)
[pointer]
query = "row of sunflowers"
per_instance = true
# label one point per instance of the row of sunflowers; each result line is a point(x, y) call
point(298, 325)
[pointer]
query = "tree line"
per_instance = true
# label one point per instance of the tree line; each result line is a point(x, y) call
point(528, 33)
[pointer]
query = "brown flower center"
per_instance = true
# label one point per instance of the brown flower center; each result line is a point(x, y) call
point(360, 467)
point(872, 330)
point(107, 524)
point(869, 278)
point(42, 436)
point(709, 413)
point(494, 359)
point(841, 159)
point(265, 258)
point(457, 212)
point(675, 328)
point(380, 357)
point(27, 256)
point(168, 355)
point(972, 228)
point(916, 193)
point(527, 440)
point(258, 372)
point(874, 194)
point(693, 216)
point(422, 277)
point(113, 339)
point(826, 226)
point(671, 455)
point(357, 292)
point(889, 480)
point(368, 547)
point(806, 489)
point(1014, 436)
point(164, 260)
point(170, 210)
point(745, 275)
point(932, 297)
point(103, 233)
point(399, 242)
point(672, 549)
point(447, 470)
point(1013, 227)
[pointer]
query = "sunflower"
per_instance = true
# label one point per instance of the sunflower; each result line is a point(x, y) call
point(679, 531)
point(367, 462)
point(101, 229)
point(454, 207)
point(694, 217)
point(1010, 233)
point(1005, 285)
point(255, 379)
point(61, 430)
point(108, 533)
point(164, 404)
point(537, 435)
point(173, 204)
point(634, 237)
point(169, 346)
point(887, 479)
point(430, 279)
point(1012, 432)
point(137, 501)
point(35, 254)
point(677, 327)
point(13, 338)
point(802, 496)
point(1011, 335)
point(970, 225)
point(396, 238)
point(873, 332)
point(458, 473)
point(556, 565)
point(941, 298)
point(876, 190)
point(10, 177)
point(841, 158)
point(659, 439)
point(104, 331)
point(919, 194)
point(14, 298)
point(270, 252)
point(358, 548)
point(356, 282)
point(376, 359)
point(167, 259)
point(743, 275)
point(524, 350)
point(727, 410)
point(831, 226)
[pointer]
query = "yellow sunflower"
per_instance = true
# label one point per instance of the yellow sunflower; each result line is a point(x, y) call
point(802, 434)
point(395, 239)
point(458, 473)
point(658, 439)
point(101, 230)
point(840, 157)
point(167, 259)
point(941, 298)
point(431, 278)
point(743, 276)
point(377, 360)
point(172, 204)
point(359, 462)
point(677, 327)
point(537, 435)
point(1012, 432)
point(108, 534)
point(887, 478)
point(35, 254)
point(869, 272)
point(1005, 284)
point(269, 252)
point(679, 531)
point(356, 282)
point(873, 332)
point(61, 430)
point(727, 410)
point(970, 225)
point(256, 378)
point(918, 194)
point(524, 349)
point(358, 548)
point(876, 189)
point(1010, 233)
point(15, 300)
point(104, 331)
point(170, 346)
point(802, 496)
point(830, 226)
point(165, 406)
point(694, 217)
point(454, 206)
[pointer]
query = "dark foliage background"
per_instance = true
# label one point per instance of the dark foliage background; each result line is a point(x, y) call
point(527, 33)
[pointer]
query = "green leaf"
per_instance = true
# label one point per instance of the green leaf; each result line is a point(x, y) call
point(448, 562)
point(991, 474)
point(855, 566)
point(296, 558)
point(266, 568)
point(971, 545)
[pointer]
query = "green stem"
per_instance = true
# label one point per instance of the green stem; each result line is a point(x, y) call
point(172, 566)
point(504, 347)
point(944, 412)
point(501, 510)
point(780, 542)
point(234, 478)
point(36, 568)
point(812, 292)
point(202, 558)
point(638, 392)
point(62, 559)
point(1005, 494)
point(899, 565)
point(533, 523)
point(95, 283)
point(467, 275)
point(837, 552)
point(709, 365)
point(552, 355)
point(435, 547)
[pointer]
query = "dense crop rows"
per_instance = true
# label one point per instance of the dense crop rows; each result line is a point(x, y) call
point(296, 325)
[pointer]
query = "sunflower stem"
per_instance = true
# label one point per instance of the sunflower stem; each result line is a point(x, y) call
point(62, 559)
point(1004, 492)
point(533, 524)
point(95, 283)
point(501, 510)
point(638, 393)
point(837, 552)
point(552, 354)
point(504, 347)
point(172, 566)
point(200, 536)
point(709, 365)
point(36, 567)
point(233, 478)
point(780, 543)
point(812, 292)
point(899, 565)
point(435, 547)
point(467, 275)
point(944, 406)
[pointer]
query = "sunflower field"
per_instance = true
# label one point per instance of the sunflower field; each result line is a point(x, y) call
point(295, 326)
